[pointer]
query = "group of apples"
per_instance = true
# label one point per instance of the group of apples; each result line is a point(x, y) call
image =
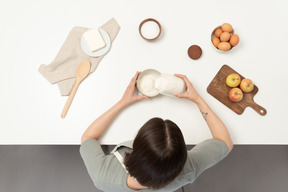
point(234, 80)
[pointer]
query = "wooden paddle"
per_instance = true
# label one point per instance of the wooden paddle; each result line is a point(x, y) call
point(218, 89)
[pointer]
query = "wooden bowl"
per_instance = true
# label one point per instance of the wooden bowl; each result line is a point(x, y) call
point(146, 20)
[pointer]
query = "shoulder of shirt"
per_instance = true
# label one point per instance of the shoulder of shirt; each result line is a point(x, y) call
point(128, 144)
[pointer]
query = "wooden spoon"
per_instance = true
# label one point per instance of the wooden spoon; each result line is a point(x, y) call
point(82, 72)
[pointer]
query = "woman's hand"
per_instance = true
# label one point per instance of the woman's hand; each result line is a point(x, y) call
point(130, 96)
point(215, 124)
point(190, 92)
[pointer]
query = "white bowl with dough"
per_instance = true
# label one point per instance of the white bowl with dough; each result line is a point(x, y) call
point(146, 82)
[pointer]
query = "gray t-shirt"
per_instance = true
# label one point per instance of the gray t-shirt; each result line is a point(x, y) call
point(108, 174)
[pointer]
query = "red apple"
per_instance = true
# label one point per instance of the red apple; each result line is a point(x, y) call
point(246, 85)
point(235, 94)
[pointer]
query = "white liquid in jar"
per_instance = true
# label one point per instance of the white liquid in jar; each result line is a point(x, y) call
point(150, 30)
point(169, 85)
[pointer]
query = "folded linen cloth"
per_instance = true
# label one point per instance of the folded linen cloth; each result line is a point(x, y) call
point(62, 70)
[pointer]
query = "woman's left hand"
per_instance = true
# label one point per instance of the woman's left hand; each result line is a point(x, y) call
point(130, 96)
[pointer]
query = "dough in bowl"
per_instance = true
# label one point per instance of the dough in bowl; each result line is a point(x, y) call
point(146, 85)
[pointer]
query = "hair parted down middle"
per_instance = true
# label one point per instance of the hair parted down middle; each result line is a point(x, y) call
point(159, 153)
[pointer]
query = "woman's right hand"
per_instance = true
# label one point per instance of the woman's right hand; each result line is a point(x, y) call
point(130, 96)
point(190, 92)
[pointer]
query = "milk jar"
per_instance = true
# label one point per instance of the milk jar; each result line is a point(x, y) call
point(169, 85)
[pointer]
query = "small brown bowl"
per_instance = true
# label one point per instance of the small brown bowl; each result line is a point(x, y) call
point(146, 20)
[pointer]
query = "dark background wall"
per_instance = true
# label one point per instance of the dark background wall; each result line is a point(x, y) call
point(35, 168)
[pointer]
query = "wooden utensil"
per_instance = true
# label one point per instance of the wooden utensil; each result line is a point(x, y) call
point(82, 72)
point(218, 89)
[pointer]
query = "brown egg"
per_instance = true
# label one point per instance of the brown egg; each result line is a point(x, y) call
point(216, 41)
point(225, 36)
point(218, 32)
point(227, 27)
point(224, 46)
point(234, 40)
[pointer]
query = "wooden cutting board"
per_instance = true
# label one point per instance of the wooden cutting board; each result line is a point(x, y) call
point(218, 89)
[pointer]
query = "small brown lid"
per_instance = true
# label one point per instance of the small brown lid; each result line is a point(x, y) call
point(194, 52)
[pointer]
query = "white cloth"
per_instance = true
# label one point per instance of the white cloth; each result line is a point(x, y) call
point(62, 70)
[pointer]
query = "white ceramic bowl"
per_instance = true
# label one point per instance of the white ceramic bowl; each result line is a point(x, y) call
point(146, 82)
point(212, 36)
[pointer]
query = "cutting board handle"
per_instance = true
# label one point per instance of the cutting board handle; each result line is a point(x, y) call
point(259, 109)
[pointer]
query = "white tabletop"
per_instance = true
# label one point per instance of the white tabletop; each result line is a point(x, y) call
point(32, 33)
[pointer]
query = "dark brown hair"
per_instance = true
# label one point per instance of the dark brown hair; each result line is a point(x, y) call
point(159, 153)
